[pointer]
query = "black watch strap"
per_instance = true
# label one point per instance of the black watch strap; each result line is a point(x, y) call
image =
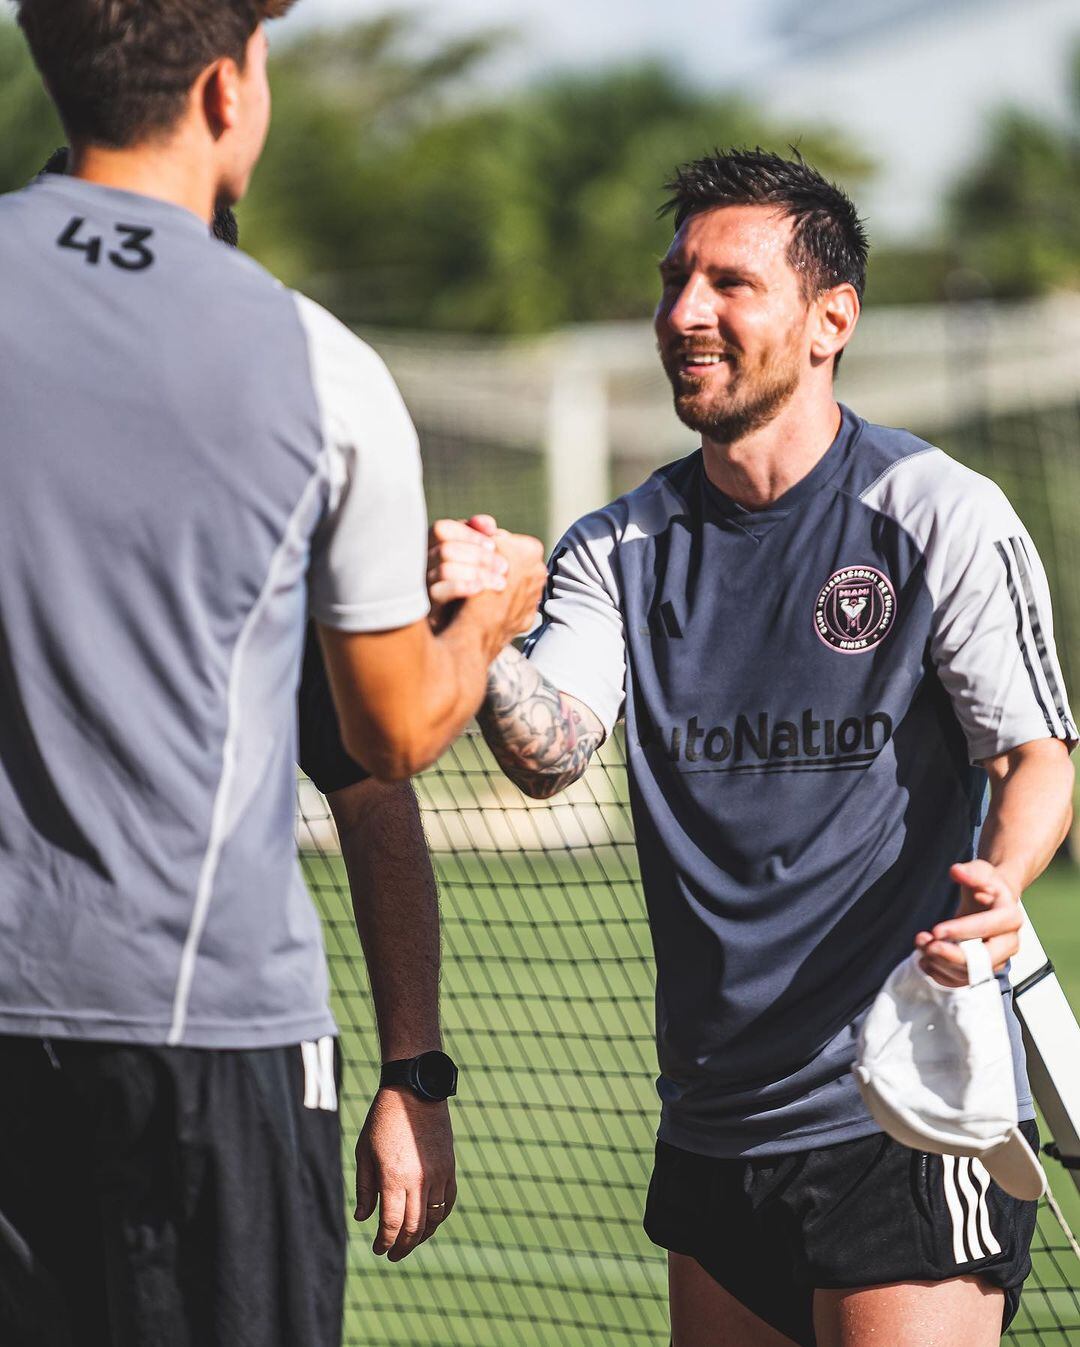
point(431, 1075)
point(398, 1073)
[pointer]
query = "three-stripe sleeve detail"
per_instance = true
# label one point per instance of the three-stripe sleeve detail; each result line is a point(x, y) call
point(1053, 682)
point(966, 1187)
point(1022, 638)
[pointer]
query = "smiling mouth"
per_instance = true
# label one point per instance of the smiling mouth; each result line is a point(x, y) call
point(695, 362)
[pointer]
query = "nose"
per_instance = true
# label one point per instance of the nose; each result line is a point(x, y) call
point(693, 309)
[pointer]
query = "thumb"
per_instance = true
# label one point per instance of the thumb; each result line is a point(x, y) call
point(978, 875)
point(367, 1187)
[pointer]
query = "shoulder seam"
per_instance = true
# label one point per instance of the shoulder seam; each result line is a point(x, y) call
point(918, 453)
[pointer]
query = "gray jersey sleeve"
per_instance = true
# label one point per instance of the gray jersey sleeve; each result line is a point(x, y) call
point(578, 645)
point(368, 554)
point(993, 633)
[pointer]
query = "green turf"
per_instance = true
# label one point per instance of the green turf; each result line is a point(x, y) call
point(547, 1000)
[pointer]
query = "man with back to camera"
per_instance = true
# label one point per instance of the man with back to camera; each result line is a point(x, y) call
point(169, 1143)
point(878, 629)
point(405, 1151)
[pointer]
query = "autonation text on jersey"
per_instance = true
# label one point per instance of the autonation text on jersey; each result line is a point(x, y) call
point(760, 739)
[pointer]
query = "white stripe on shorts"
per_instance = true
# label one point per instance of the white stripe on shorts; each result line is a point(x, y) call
point(320, 1089)
point(966, 1185)
point(982, 1180)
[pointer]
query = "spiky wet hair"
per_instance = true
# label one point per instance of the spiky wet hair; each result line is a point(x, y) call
point(828, 243)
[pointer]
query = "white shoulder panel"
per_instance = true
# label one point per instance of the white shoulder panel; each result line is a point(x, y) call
point(368, 555)
point(579, 644)
point(993, 633)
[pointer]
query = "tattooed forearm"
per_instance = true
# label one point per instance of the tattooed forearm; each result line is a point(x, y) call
point(540, 739)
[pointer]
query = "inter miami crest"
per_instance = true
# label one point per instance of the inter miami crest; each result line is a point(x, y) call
point(855, 609)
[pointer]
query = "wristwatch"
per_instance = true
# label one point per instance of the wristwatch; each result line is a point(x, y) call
point(432, 1075)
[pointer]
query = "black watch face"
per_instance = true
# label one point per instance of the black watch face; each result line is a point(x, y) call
point(436, 1075)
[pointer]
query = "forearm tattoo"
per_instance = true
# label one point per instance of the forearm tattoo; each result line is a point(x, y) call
point(540, 741)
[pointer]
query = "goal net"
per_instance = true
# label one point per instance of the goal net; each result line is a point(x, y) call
point(547, 1003)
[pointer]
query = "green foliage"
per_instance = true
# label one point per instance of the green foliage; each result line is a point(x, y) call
point(391, 189)
point(908, 275)
point(383, 189)
point(1016, 215)
point(29, 129)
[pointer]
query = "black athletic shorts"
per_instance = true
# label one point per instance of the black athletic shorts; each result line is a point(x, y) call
point(169, 1197)
point(861, 1213)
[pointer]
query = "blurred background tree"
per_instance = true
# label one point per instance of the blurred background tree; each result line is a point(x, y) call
point(515, 213)
point(1016, 215)
point(404, 191)
point(29, 128)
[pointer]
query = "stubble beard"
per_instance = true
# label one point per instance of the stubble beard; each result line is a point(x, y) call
point(751, 403)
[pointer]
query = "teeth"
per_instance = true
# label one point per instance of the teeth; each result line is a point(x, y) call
point(703, 359)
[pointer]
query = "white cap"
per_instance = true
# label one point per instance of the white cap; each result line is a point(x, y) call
point(935, 1068)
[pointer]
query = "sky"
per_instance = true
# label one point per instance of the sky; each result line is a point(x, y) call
point(913, 82)
point(585, 32)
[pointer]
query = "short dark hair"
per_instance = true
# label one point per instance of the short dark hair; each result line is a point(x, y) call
point(120, 70)
point(224, 225)
point(829, 244)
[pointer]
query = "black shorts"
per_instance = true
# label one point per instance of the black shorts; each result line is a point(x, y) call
point(169, 1197)
point(862, 1213)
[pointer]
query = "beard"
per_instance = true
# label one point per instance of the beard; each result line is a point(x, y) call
point(751, 399)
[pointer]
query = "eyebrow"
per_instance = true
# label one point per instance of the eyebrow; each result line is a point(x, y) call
point(668, 265)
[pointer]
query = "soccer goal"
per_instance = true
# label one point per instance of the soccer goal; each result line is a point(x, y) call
point(547, 1000)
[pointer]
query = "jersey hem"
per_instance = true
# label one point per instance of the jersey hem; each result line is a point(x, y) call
point(102, 1029)
point(690, 1139)
point(993, 746)
point(386, 615)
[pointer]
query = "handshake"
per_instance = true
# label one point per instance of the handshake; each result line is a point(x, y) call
point(503, 574)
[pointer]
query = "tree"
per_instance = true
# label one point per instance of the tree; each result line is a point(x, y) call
point(1016, 215)
point(395, 191)
point(29, 127)
point(408, 205)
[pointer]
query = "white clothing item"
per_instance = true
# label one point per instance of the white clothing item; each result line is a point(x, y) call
point(935, 1068)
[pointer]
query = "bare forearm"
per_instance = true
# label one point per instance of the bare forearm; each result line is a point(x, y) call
point(1030, 811)
point(541, 739)
point(395, 903)
point(403, 696)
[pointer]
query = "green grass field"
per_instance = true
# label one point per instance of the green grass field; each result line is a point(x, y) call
point(547, 999)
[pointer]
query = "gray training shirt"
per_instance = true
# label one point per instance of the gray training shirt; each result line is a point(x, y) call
point(807, 691)
point(191, 455)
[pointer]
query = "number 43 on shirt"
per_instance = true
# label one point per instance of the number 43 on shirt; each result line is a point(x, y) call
point(130, 254)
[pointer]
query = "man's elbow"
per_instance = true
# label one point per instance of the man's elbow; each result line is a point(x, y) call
point(539, 785)
point(390, 757)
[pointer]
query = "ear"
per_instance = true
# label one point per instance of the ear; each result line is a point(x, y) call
point(220, 96)
point(837, 313)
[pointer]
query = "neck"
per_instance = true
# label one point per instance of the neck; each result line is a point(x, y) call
point(159, 170)
point(758, 469)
